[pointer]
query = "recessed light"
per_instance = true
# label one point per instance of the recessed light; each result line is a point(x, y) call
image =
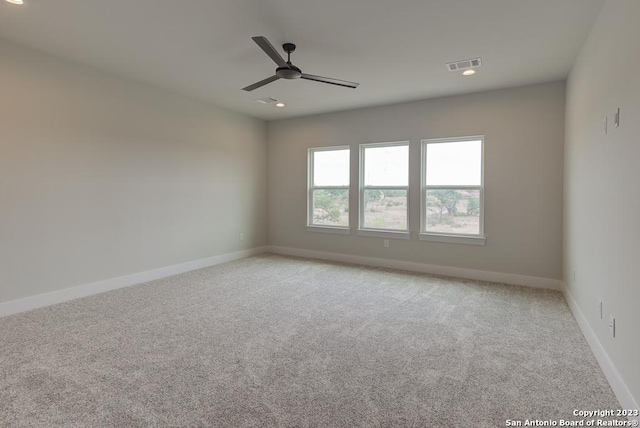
point(280, 105)
point(469, 72)
point(16, 1)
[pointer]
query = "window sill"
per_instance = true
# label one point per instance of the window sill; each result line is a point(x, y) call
point(330, 229)
point(384, 234)
point(453, 239)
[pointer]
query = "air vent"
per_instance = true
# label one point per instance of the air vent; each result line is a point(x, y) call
point(266, 100)
point(464, 64)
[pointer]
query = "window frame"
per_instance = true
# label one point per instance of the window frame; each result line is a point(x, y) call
point(376, 232)
point(311, 227)
point(480, 238)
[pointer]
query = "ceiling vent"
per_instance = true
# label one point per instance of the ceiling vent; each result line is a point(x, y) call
point(266, 100)
point(464, 64)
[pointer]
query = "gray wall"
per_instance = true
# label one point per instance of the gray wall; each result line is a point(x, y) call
point(102, 177)
point(602, 179)
point(524, 134)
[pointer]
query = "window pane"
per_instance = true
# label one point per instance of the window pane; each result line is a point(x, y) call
point(385, 209)
point(331, 167)
point(454, 164)
point(331, 207)
point(386, 166)
point(453, 211)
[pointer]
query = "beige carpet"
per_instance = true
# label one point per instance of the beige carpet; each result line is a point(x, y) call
point(281, 342)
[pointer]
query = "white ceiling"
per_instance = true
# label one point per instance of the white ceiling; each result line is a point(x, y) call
point(397, 50)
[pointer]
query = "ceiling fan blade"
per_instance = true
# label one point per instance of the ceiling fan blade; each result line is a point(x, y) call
point(268, 48)
point(261, 83)
point(344, 83)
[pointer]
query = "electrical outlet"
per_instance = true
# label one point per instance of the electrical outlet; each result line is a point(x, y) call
point(616, 117)
point(612, 325)
point(386, 243)
point(242, 236)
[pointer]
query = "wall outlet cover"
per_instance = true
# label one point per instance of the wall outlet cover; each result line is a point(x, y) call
point(612, 325)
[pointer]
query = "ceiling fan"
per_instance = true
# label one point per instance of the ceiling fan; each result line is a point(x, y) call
point(286, 70)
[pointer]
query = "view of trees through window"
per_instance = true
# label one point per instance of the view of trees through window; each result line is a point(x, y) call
point(385, 209)
point(331, 207)
point(453, 186)
point(329, 186)
point(453, 211)
point(385, 186)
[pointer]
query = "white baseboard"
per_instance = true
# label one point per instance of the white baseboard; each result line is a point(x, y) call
point(21, 305)
point(481, 275)
point(620, 389)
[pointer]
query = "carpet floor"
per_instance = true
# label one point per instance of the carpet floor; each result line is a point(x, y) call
point(275, 341)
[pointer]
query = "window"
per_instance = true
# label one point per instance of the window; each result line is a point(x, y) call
point(328, 183)
point(452, 190)
point(384, 186)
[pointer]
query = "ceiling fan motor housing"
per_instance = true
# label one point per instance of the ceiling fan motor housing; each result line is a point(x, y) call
point(291, 72)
